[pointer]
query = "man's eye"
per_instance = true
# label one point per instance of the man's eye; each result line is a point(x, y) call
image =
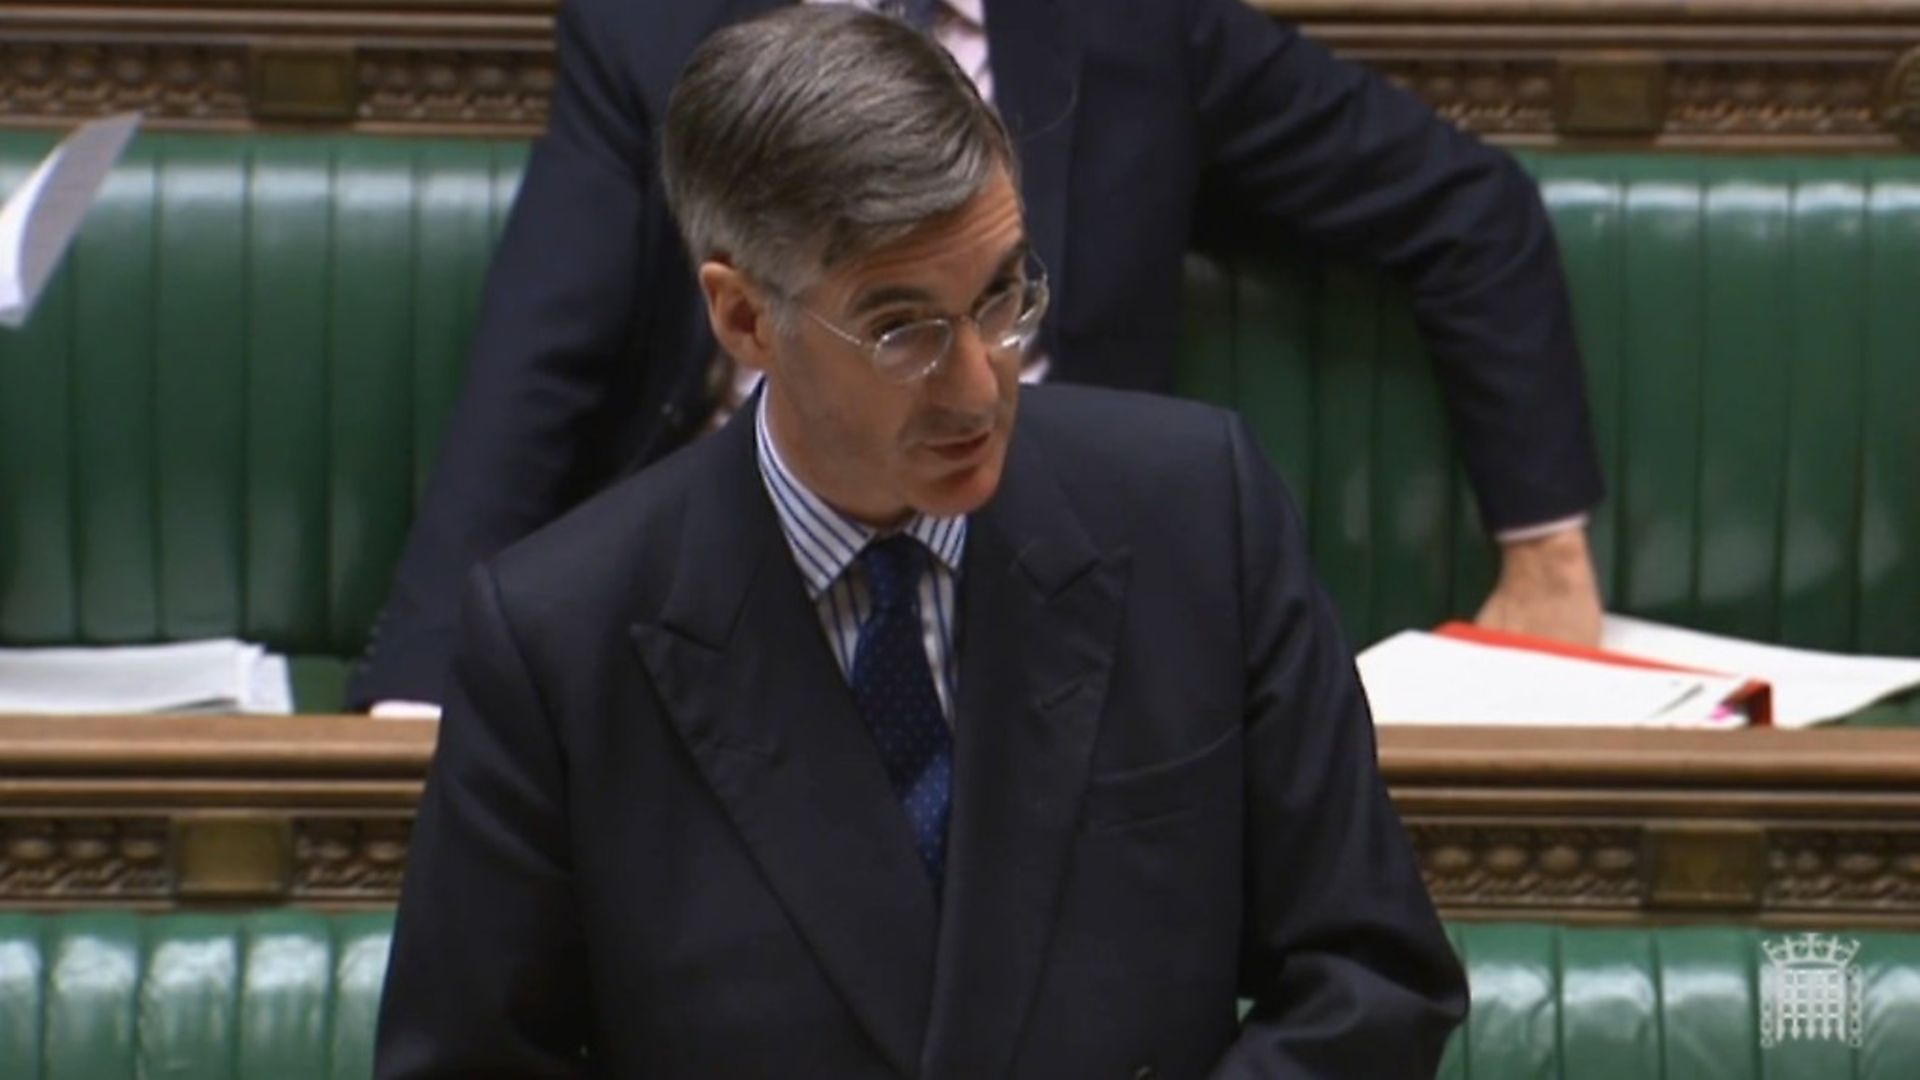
point(887, 324)
point(999, 290)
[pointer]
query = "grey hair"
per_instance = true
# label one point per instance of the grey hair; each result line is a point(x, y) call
point(818, 134)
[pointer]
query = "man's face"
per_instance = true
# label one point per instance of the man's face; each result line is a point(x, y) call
point(878, 449)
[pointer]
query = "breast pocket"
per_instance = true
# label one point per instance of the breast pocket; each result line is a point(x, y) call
point(1164, 793)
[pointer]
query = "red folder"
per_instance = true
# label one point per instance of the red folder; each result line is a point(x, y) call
point(1755, 697)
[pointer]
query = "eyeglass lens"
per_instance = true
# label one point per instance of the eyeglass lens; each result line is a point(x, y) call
point(1006, 321)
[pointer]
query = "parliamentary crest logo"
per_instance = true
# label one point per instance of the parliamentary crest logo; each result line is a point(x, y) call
point(1810, 990)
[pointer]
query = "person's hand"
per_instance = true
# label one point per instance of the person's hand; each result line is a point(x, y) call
point(1546, 589)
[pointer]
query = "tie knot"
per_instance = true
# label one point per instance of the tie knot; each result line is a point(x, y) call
point(893, 567)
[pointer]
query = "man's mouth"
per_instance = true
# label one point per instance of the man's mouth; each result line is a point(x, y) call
point(961, 449)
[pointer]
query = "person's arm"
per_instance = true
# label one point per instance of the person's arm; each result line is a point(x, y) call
point(1300, 144)
point(552, 378)
point(1546, 587)
point(1347, 966)
point(487, 974)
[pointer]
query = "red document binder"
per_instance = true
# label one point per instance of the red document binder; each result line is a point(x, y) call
point(1754, 697)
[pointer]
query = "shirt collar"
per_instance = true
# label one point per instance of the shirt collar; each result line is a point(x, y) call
point(823, 540)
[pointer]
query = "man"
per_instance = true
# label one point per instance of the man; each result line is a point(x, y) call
point(884, 734)
point(1148, 128)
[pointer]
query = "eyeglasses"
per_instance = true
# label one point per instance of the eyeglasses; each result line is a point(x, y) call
point(1007, 320)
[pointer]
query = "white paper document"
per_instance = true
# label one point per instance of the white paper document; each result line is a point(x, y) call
point(40, 219)
point(1419, 678)
point(1808, 686)
point(222, 675)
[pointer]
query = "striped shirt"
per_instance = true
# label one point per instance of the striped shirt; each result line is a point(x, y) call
point(826, 544)
point(959, 26)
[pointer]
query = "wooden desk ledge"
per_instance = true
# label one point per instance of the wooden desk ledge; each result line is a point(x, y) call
point(1817, 828)
point(1819, 758)
point(349, 747)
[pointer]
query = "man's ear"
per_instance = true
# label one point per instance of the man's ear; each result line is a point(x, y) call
point(741, 314)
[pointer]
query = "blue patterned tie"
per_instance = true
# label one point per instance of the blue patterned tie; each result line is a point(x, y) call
point(893, 688)
point(915, 13)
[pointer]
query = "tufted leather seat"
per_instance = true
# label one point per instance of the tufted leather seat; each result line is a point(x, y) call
point(1679, 1002)
point(285, 995)
point(220, 419)
point(293, 995)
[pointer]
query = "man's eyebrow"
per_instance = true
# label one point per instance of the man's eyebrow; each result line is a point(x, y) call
point(888, 295)
point(881, 296)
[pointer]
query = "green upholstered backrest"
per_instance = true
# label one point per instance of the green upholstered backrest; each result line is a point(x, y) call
point(1690, 1003)
point(294, 995)
point(1751, 328)
point(288, 995)
point(221, 416)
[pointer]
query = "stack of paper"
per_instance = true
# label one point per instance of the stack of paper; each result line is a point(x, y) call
point(223, 675)
point(1416, 677)
point(1644, 675)
point(1809, 687)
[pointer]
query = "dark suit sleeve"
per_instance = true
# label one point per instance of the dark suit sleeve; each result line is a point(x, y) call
point(487, 973)
point(552, 383)
point(1350, 972)
point(1299, 144)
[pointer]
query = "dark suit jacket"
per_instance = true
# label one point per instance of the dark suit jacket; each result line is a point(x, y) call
point(657, 828)
point(1145, 127)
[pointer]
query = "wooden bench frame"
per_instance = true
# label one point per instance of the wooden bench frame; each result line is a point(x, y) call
point(1775, 828)
point(1751, 74)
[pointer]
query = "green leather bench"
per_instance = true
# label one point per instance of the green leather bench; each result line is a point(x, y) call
point(219, 420)
point(293, 995)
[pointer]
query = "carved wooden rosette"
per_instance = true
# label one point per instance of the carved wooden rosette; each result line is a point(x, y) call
point(1901, 112)
point(1770, 74)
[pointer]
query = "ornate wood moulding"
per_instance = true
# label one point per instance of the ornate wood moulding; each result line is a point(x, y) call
point(1809, 828)
point(1733, 74)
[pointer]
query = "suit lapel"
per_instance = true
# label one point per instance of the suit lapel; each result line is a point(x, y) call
point(1042, 606)
point(738, 658)
point(1036, 87)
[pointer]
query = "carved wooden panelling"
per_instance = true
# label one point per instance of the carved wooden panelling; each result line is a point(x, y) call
point(1901, 111)
point(69, 79)
point(1805, 828)
point(1825, 74)
point(1535, 866)
point(349, 859)
point(60, 860)
point(1856, 869)
point(1493, 97)
point(55, 859)
point(232, 86)
point(503, 89)
point(1839, 97)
